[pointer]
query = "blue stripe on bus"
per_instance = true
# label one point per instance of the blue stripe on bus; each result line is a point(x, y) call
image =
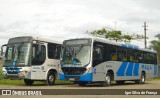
point(132, 67)
point(124, 45)
point(86, 77)
point(122, 69)
point(136, 69)
point(155, 70)
point(129, 69)
point(12, 68)
point(130, 46)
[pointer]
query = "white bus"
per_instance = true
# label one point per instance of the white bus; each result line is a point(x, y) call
point(90, 60)
point(32, 58)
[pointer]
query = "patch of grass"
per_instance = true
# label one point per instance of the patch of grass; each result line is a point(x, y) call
point(11, 82)
point(150, 79)
point(63, 82)
point(21, 82)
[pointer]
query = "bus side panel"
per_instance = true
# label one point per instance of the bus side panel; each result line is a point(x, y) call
point(132, 71)
point(99, 72)
point(155, 70)
point(127, 71)
point(150, 70)
point(51, 65)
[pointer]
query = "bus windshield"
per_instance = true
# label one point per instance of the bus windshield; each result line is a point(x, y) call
point(19, 53)
point(76, 55)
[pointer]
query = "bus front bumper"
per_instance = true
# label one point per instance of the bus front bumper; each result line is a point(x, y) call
point(13, 76)
point(84, 77)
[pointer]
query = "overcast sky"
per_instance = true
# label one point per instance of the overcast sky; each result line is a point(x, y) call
point(72, 18)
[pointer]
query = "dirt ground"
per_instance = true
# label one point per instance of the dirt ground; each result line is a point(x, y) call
point(154, 84)
point(151, 84)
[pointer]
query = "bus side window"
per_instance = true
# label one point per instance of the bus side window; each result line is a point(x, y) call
point(57, 52)
point(113, 54)
point(121, 54)
point(146, 57)
point(153, 58)
point(38, 55)
point(53, 51)
point(97, 54)
point(138, 56)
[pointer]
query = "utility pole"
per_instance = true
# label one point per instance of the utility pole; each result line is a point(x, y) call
point(145, 38)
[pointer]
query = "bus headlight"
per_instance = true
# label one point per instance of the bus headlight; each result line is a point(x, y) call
point(60, 70)
point(26, 72)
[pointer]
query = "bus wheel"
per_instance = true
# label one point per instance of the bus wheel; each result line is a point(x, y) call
point(120, 82)
point(82, 83)
point(28, 82)
point(142, 79)
point(50, 78)
point(107, 81)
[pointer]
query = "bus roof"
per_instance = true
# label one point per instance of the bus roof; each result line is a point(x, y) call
point(53, 40)
point(103, 40)
point(131, 46)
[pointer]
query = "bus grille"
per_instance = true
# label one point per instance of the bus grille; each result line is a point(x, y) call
point(12, 76)
point(74, 71)
point(12, 72)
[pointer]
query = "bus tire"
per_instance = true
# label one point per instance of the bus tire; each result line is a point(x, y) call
point(142, 79)
point(107, 81)
point(50, 78)
point(120, 82)
point(28, 82)
point(81, 83)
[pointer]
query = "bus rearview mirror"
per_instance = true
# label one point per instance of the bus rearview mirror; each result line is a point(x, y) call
point(2, 48)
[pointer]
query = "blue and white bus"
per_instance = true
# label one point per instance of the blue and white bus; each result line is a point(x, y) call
point(90, 60)
point(32, 59)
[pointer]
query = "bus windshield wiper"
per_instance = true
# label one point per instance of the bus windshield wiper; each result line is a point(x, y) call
point(21, 44)
point(79, 49)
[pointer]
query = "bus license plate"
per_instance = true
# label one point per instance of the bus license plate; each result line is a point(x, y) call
point(71, 79)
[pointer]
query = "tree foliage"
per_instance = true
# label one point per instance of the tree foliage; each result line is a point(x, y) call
point(155, 44)
point(115, 35)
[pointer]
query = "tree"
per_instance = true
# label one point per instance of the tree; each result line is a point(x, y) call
point(115, 35)
point(127, 38)
point(102, 32)
point(155, 45)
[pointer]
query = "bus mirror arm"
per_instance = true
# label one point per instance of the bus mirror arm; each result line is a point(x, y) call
point(2, 49)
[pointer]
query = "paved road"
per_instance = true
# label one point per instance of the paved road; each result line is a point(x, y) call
point(154, 84)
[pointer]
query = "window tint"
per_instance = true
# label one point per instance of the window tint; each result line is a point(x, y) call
point(113, 53)
point(54, 51)
point(138, 56)
point(38, 54)
point(146, 57)
point(153, 58)
point(98, 51)
point(121, 54)
point(116, 53)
